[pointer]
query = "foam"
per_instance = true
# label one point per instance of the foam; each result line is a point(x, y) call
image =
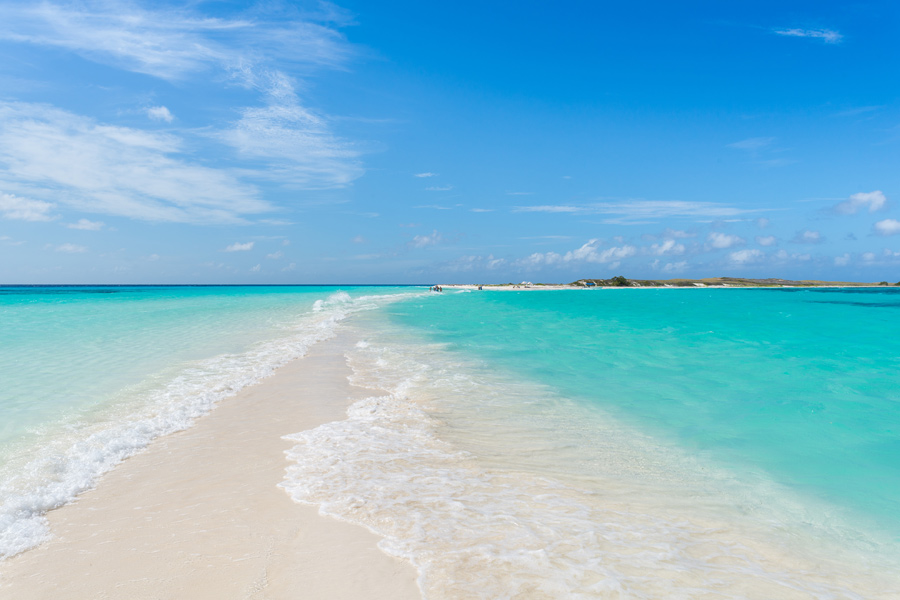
point(70, 464)
point(481, 528)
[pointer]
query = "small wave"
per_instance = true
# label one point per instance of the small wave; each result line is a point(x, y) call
point(66, 467)
point(336, 298)
point(476, 531)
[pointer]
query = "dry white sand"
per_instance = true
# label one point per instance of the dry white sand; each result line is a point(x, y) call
point(198, 514)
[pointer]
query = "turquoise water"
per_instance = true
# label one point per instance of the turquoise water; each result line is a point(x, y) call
point(801, 386)
point(90, 375)
point(579, 444)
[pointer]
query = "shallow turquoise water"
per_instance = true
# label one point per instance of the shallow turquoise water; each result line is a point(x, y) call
point(797, 386)
point(90, 375)
point(561, 441)
point(64, 350)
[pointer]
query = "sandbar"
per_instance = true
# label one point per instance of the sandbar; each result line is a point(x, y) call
point(198, 514)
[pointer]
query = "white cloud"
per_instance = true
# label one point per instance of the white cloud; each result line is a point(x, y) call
point(471, 263)
point(766, 240)
point(240, 247)
point(762, 222)
point(842, 261)
point(828, 36)
point(255, 269)
point(874, 201)
point(868, 256)
point(677, 234)
point(676, 267)
point(71, 248)
point(425, 175)
point(745, 256)
point(290, 267)
point(784, 255)
point(422, 241)
point(667, 247)
point(589, 252)
point(724, 240)
point(887, 227)
point(160, 113)
point(275, 255)
point(439, 188)
point(358, 240)
point(168, 43)
point(808, 237)
point(481, 210)
point(638, 211)
point(86, 225)
point(93, 167)
point(24, 209)
point(296, 144)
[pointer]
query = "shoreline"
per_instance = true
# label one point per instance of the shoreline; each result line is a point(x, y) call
point(557, 287)
point(198, 513)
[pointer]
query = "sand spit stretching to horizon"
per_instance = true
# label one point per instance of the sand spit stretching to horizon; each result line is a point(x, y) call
point(199, 514)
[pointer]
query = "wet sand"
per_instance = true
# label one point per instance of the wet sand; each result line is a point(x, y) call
point(199, 514)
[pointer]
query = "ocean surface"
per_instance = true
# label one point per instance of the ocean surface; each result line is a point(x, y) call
point(634, 443)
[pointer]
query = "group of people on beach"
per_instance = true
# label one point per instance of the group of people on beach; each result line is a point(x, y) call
point(437, 288)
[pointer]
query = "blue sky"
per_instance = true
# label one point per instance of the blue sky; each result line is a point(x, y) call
point(379, 142)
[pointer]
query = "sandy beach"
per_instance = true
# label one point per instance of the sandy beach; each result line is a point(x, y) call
point(199, 514)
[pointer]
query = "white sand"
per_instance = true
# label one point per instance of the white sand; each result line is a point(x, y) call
point(198, 514)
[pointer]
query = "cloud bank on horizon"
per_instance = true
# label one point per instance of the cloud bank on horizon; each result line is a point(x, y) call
point(139, 140)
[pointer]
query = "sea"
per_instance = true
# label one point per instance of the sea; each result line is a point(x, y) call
point(601, 443)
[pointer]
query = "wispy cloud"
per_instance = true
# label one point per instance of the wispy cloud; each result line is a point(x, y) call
point(481, 210)
point(423, 241)
point(873, 201)
point(275, 255)
point(50, 153)
point(643, 211)
point(753, 144)
point(471, 263)
point(742, 257)
point(766, 240)
point(295, 144)
point(859, 110)
point(24, 209)
point(169, 43)
point(439, 188)
point(240, 247)
point(829, 36)
point(667, 247)
point(86, 225)
point(589, 252)
point(160, 113)
point(808, 237)
point(425, 175)
point(71, 248)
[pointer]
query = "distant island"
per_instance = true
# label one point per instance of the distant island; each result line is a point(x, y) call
point(621, 281)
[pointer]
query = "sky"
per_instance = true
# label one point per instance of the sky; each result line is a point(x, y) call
point(479, 142)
